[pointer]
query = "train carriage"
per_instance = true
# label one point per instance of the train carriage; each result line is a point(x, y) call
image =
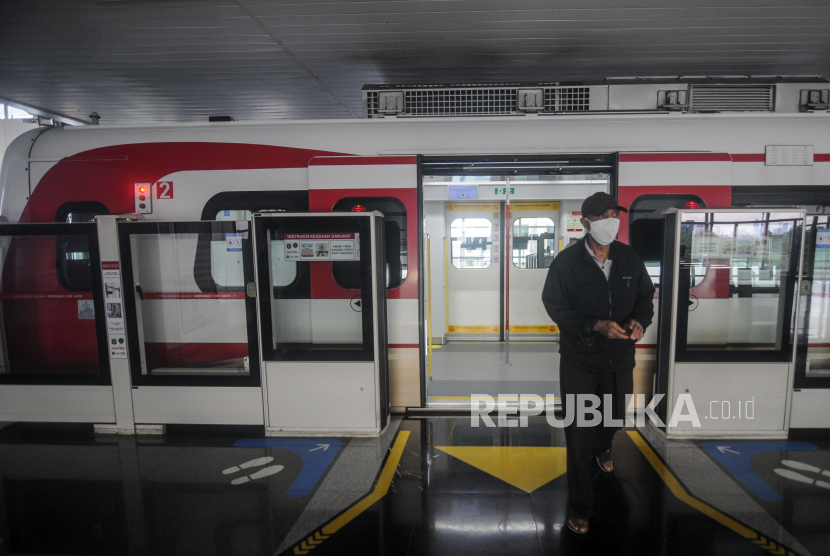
point(475, 209)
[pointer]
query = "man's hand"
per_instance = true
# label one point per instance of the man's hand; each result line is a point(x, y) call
point(634, 329)
point(611, 329)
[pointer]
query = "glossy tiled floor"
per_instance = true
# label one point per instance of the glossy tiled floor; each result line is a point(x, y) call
point(427, 486)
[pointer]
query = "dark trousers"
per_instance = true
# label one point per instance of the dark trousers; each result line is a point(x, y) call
point(585, 443)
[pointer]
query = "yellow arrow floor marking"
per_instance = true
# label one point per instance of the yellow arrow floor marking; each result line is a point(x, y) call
point(682, 494)
point(381, 488)
point(526, 468)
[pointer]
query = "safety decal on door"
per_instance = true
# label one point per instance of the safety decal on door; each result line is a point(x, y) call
point(534, 206)
point(473, 329)
point(117, 342)
point(322, 247)
point(574, 221)
point(537, 328)
point(472, 206)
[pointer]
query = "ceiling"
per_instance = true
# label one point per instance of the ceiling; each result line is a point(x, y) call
point(185, 60)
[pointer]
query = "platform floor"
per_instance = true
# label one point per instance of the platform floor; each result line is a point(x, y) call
point(461, 369)
point(432, 486)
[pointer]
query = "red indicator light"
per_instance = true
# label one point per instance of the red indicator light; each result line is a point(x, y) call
point(141, 190)
point(358, 208)
point(691, 205)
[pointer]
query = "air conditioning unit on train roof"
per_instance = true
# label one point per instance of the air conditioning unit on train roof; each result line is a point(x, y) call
point(619, 94)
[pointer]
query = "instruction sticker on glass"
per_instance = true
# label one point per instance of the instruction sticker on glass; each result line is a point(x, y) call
point(574, 222)
point(705, 246)
point(823, 238)
point(233, 241)
point(322, 247)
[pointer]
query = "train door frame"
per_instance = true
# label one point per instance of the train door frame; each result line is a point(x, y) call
point(437, 170)
point(691, 372)
point(182, 396)
point(317, 378)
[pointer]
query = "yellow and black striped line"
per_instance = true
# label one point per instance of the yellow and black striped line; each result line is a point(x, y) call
point(381, 488)
point(683, 495)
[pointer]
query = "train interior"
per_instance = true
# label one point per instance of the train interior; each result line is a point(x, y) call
point(492, 228)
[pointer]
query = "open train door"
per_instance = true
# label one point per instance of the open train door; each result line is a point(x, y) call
point(387, 184)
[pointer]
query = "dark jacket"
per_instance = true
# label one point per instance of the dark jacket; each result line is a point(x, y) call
point(577, 295)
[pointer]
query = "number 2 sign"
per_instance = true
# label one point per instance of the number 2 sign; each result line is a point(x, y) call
point(164, 190)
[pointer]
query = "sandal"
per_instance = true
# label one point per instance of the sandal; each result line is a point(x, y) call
point(575, 524)
point(604, 459)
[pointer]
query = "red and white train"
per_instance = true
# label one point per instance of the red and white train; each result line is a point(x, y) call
point(449, 185)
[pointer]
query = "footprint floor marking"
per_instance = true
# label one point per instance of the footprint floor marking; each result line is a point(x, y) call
point(801, 478)
point(258, 462)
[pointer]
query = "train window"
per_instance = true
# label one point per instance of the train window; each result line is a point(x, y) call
point(347, 274)
point(533, 242)
point(645, 229)
point(217, 265)
point(73, 251)
point(471, 241)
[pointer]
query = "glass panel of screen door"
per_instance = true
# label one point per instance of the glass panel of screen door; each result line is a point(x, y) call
point(817, 303)
point(190, 298)
point(741, 267)
point(300, 323)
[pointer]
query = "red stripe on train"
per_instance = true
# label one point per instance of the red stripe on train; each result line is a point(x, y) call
point(749, 157)
point(675, 157)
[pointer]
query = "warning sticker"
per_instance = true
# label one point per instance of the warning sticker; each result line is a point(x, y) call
point(86, 310)
point(574, 224)
point(534, 206)
point(472, 206)
point(537, 328)
point(111, 273)
point(704, 246)
point(233, 241)
point(322, 247)
point(111, 270)
point(823, 238)
point(473, 329)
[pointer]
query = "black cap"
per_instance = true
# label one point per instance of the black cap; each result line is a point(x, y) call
point(598, 203)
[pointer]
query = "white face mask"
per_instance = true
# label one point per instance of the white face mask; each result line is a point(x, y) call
point(605, 231)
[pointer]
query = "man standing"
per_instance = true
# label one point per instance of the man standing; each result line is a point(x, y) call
point(599, 294)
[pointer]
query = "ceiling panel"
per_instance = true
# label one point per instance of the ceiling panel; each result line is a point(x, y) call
point(151, 60)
